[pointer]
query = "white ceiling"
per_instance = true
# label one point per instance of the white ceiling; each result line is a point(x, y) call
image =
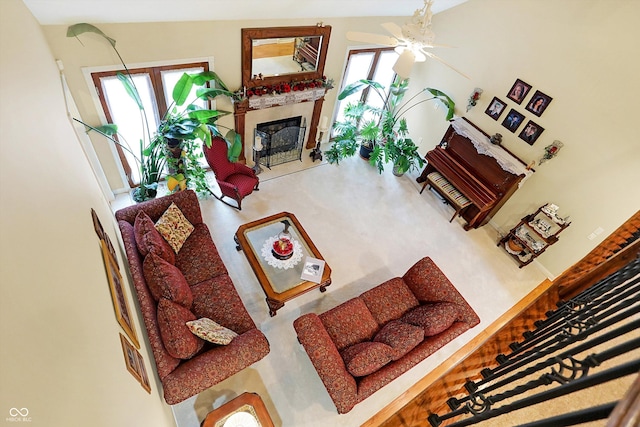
point(66, 12)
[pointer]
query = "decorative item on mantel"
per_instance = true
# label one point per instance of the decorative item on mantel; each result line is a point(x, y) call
point(550, 151)
point(473, 98)
point(288, 93)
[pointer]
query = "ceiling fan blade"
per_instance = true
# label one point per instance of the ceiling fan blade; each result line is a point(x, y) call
point(394, 29)
point(371, 38)
point(404, 64)
point(431, 55)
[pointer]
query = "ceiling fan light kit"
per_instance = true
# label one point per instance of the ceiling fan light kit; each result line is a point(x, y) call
point(409, 41)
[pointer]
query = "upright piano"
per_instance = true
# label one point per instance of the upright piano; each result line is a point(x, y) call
point(487, 174)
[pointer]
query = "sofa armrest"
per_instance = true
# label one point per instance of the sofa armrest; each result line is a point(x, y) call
point(213, 366)
point(429, 284)
point(327, 361)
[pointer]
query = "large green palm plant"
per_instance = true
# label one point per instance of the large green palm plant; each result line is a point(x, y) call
point(383, 129)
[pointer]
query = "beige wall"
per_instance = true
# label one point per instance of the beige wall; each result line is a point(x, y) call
point(580, 52)
point(584, 54)
point(60, 353)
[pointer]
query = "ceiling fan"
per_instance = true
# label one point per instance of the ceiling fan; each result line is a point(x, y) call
point(411, 41)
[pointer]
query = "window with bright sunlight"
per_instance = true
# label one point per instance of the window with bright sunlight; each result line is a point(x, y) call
point(371, 64)
point(155, 85)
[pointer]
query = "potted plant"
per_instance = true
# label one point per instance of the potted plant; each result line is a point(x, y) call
point(377, 128)
point(185, 128)
point(402, 152)
point(175, 142)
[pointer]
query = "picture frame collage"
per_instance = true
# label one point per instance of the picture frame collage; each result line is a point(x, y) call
point(513, 120)
point(133, 359)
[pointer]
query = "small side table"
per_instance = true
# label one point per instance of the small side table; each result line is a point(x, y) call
point(248, 403)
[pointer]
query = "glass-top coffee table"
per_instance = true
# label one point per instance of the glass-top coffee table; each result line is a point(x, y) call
point(280, 277)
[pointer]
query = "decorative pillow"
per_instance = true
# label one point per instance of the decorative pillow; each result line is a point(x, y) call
point(366, 357)
point(166, 281)
point(174, 227)
point(148, 239)
point(176, 336)
point(434, 318)
point(400, 336)
point(349, 323)
point(389, 300)
point(210, 331)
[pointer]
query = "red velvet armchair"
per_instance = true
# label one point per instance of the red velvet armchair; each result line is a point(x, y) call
point(235, 179)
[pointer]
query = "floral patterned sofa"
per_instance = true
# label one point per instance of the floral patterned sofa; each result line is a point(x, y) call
point(178, 286)
point(366, 342)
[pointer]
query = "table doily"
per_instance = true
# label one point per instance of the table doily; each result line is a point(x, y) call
point(279, 263)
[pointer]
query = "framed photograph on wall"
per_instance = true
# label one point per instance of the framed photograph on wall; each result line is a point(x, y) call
point(538, 103)
point(495, 108)
point(519, 91)
point(97, 225)
point(513, 120)
point(120, 305)
point(135, 363)
point(531, 132)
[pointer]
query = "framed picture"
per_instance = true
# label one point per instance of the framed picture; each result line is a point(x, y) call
point(496, 108)
point(513, 120)
point(144, 378)
point(531, 132)
point(97, 225)
point(538, 103)
point(135, 363)
point(123, 314)
point(519, 91)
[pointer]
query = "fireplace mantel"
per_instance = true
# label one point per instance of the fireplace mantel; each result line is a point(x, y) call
point(245, 106)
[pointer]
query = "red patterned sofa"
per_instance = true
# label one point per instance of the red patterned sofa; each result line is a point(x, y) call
point(173, 288)
point(366, 342)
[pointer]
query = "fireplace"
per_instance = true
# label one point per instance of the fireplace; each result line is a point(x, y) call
point(279, 141)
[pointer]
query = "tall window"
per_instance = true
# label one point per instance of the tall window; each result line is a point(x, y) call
point(155, 85)
point(371, 64)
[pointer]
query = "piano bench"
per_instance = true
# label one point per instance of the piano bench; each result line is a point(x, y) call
point(448, 191)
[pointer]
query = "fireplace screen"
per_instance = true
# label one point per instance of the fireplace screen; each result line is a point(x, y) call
point(279, 141)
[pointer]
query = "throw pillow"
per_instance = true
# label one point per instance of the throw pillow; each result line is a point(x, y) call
point(434, 318)
point(366, 357)
point(166, 281)
point(174, 227)
point(176, 336)
point(148, 239)
point(400, 336)
point(210, 331)
point(349, 323)
point(389, 300)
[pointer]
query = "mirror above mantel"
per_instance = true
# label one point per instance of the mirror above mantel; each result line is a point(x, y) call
point(274, 55)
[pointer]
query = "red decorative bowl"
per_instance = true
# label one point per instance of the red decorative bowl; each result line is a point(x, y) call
point(282, 248)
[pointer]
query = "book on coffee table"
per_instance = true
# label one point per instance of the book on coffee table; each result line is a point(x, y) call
point(313, 269)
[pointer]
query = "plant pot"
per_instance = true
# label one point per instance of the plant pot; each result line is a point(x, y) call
point(140, 194)
point(396, 170)
point(365, 151)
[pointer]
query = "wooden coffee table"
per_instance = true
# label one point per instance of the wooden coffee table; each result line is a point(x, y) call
point(280, 280)
point(247, 410)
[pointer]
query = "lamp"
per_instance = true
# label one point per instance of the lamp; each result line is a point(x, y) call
point(257, 148)
point(316, 153)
